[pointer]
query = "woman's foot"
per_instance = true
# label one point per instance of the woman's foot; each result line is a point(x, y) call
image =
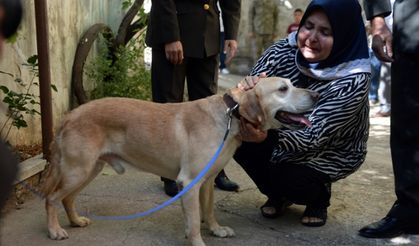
point(272, 209)
point(314, 217)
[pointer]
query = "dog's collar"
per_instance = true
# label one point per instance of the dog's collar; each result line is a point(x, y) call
point(233, 106)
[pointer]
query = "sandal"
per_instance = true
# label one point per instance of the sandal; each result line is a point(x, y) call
point(272, 209)
point(319, 214)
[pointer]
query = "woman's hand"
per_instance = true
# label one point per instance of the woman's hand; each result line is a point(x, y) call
point(250, 133)
point(250, 81)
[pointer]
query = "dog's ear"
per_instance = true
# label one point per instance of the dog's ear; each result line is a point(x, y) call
point(250, 107)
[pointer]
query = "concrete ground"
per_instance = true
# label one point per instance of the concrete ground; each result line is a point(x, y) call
point(357, 200)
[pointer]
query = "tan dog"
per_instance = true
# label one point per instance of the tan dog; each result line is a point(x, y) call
point(173, 140)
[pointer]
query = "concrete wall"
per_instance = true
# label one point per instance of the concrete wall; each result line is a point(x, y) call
point(68, 19)
point(243, 62)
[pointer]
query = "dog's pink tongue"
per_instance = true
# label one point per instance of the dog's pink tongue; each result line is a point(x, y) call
point(301, 119)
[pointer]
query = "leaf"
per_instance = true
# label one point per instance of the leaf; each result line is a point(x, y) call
point(4, 89)
point(20, 123)
point(32, 60)
point(12, 39)
point(54, 87)
point(8, 100)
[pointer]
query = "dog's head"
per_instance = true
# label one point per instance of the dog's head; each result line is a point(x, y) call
point(274, 102)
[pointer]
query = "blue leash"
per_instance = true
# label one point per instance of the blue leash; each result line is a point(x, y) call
point(183, 191)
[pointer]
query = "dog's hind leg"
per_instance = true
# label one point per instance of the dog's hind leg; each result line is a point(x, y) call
point(191, 211)
point(207, 205)
point(75, 219)
point(55, 231)
point(72, 180)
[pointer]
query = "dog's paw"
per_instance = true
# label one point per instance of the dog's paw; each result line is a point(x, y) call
point(80, 222)
point(197, 242)
point(223, 231)
point(57, 234)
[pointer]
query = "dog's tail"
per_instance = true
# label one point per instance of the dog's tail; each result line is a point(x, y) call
point(53, 175)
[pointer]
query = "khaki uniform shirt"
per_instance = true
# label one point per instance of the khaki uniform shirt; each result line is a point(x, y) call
point(263, 17)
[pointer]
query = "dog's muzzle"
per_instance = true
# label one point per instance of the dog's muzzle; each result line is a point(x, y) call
point(291, 119)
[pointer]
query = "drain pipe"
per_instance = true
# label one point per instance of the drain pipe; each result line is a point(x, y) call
point(41, 20)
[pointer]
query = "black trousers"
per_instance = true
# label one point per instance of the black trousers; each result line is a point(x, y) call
point(168, 80)
point(404, 138)
point(296, 183)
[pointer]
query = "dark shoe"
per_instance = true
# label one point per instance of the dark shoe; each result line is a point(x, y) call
point(389, 227)
point(170, 187)
point(272, 209)
point(224, 183)
point(320, 214)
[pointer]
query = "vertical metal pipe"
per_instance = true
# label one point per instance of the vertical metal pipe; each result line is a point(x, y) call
point(41, 20)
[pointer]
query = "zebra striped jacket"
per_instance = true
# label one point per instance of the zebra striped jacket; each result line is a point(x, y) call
point(336, 144)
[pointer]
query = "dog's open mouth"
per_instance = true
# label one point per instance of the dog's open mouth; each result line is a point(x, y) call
point(292, 119)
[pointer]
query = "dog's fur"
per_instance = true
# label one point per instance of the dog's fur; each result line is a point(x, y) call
point(173, 140)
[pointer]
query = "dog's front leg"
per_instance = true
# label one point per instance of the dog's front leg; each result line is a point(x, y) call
point(207, 205)
point(190, 206)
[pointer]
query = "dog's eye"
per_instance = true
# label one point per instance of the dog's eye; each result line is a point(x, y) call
point(283, 89)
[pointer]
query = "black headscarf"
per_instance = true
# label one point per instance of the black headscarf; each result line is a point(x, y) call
point(349, 53)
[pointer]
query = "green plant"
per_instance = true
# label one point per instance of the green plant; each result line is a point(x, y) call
point(122, 74)
point(141, 15)
point(20, 103)
point(126, 4)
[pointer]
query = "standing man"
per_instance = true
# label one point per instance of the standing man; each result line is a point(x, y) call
point(402, 49)
point(10, 16)
point(298, 14)
point(184, 36)
point(263, 19)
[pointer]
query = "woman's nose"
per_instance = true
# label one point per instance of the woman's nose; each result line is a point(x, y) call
point(312, 36)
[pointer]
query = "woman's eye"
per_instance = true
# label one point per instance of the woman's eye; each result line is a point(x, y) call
point(326, 32)
point(283, 89)
point(308, 26)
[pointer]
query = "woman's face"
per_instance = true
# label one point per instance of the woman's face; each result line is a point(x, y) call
point(315, 39)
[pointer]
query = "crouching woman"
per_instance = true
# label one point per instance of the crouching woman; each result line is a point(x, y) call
point(328, 54)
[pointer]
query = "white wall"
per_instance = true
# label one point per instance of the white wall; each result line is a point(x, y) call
point(68, 19)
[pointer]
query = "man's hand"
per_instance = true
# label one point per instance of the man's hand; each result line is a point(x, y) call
point(382, 39)
point(230, 49)
point(250, 133)
point(250, 81)
point(174, 52)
